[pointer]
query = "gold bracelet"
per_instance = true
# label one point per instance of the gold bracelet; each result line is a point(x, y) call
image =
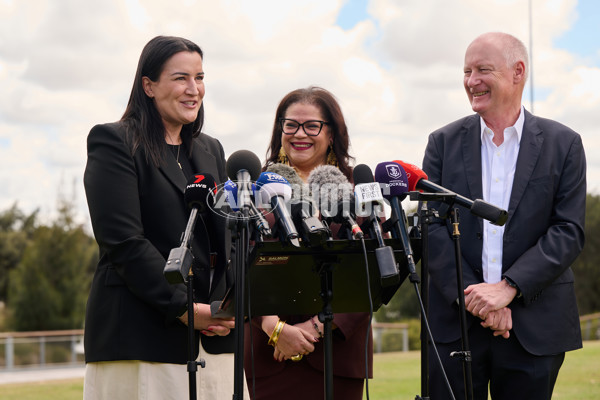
point(275, 335)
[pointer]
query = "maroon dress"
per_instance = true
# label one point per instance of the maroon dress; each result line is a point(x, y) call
point(269, 379)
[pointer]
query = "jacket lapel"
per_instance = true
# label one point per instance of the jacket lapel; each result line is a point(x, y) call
point(203, 161)
point(471, 143)
point(529, 152)
point(173, 172)
point(471, 147)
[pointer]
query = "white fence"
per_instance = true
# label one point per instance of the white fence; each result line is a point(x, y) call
point(40, 349)
point(21, 350)
point(590, 326)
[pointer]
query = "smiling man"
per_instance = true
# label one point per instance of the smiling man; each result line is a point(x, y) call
point(521, 311)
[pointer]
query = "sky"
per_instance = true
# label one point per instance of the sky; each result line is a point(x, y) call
point(395, 67)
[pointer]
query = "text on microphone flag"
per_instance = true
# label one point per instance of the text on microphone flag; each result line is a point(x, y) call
point(368, 192)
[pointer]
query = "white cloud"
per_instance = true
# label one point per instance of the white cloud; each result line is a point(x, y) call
point(67, 65)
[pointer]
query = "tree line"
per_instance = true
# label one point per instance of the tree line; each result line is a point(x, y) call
point(46, 271)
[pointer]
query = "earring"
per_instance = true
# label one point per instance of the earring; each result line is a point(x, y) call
point(283, 158)
point(331, 158)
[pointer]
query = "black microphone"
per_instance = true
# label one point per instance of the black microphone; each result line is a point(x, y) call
point(417, 179)
point(369, 198)
point(200, 193)
point(243, 166)
point(332, 192)
point(394, 184)
point(274, 189)
point(313, 231)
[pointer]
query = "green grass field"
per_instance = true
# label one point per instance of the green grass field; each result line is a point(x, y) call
point(397, 376)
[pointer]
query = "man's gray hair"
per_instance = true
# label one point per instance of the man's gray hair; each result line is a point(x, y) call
point(515, 51)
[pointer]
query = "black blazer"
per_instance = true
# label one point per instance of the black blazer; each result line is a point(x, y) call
point(543, 235)
point(138, 215)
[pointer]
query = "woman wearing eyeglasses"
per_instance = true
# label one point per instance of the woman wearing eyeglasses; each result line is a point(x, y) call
point(285, 360)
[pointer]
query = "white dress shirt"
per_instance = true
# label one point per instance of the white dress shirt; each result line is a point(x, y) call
point(498, 164)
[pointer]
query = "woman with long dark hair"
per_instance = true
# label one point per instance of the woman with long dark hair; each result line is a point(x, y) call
point(284, 353)
point(136, 343)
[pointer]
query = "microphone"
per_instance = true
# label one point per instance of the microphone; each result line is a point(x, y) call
point(392, 178)
point(417, 179)
point(200, 193)
point(260, 222)
point(394, 186)
point(314, 232)
point(368, 194)
point(287, 172)
point(275, 189)
point(369, 198)
point(244, 167)
point(290, 174)
point(331, 191)
point(231, 194)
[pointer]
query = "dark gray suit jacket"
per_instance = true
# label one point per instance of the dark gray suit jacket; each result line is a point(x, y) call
point(543, 235)
point(138, 214)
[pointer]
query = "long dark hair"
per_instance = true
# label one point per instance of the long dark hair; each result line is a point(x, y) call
point(329, 107)
point(143, 122)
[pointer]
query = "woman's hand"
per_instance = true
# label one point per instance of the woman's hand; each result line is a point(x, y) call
point(206, 323)
point(294, 340)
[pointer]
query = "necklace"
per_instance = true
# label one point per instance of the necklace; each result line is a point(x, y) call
point(178, 148)
point(178, 163)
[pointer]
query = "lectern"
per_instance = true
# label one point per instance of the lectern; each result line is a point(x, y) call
point(334, 277)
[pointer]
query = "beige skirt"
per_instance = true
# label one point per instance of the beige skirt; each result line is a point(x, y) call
point(140, 380)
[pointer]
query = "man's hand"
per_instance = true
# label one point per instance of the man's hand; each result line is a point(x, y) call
point(500, 321)
point(483, 298)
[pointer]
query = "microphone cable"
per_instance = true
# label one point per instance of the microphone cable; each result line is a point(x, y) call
point(429, 334)
point(394, 178)
point(437, 354)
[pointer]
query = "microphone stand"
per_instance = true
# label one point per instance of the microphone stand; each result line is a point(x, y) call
point(192, 364)
point(426, 218)
point(241, 253)
point(240, 231)
point(465, 354)
point(181, 259)
point(326, 317)
point(391, 225)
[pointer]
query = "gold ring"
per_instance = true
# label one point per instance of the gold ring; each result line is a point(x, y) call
point(297, 357)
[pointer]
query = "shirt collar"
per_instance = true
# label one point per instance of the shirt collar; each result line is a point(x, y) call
point(518, 125)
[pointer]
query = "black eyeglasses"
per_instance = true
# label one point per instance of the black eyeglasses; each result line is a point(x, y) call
point(311, 128)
